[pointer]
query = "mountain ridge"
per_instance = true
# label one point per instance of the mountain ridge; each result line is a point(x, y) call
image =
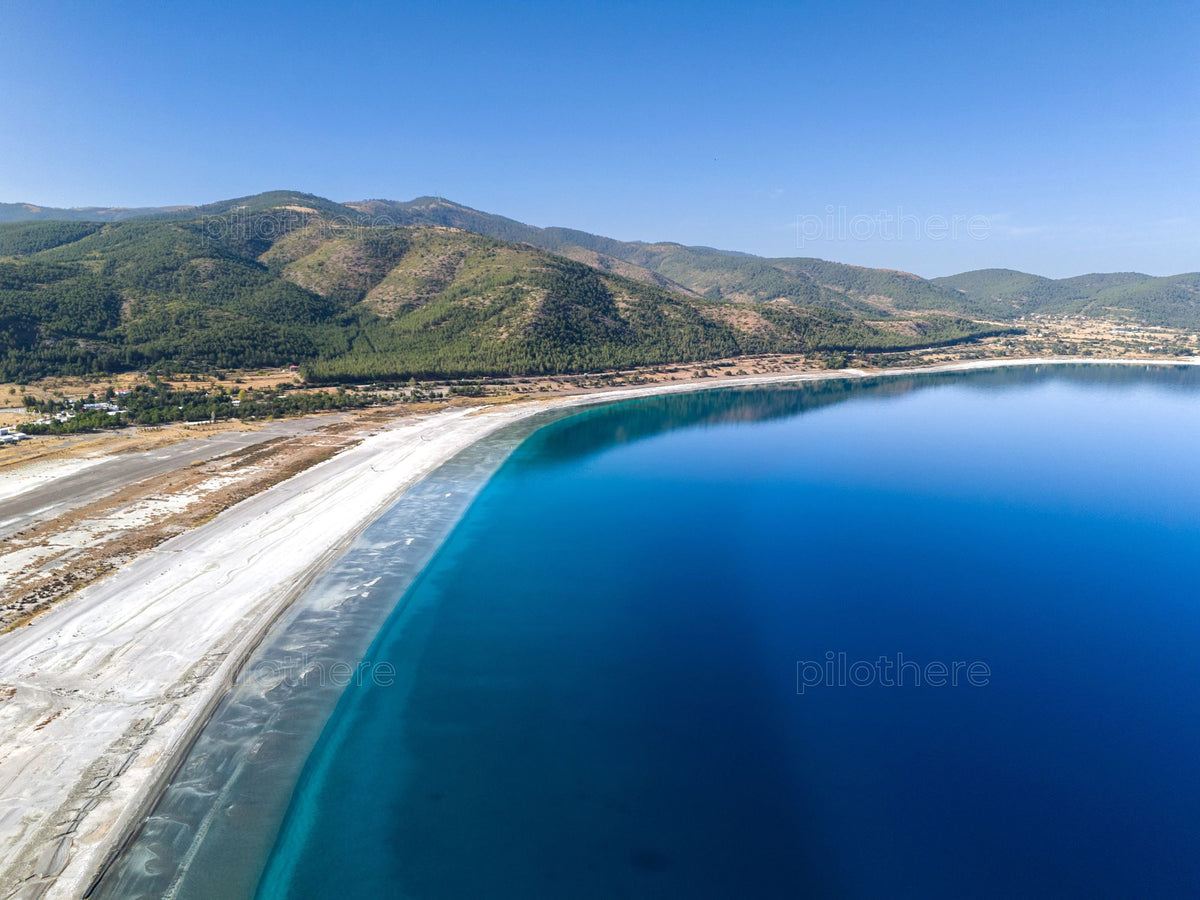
point(443, 211)
point(288, 277)
point(381, 289)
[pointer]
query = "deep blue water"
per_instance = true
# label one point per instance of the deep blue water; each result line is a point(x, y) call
point(597, 675)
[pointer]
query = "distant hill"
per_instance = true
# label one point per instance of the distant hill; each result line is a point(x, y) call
point(381, 289)
point(273, 202)
point(702, 271)
point(27, 212)
point(360, 292)
point(991, 294)
point(1003, 293)
point(256, 203)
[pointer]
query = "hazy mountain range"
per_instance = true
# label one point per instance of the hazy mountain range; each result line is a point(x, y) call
point(385, 289)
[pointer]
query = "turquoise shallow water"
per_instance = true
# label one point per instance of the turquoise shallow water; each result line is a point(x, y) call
point(639, 664)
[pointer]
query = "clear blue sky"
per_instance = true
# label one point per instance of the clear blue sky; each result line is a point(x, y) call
point(1073, 129)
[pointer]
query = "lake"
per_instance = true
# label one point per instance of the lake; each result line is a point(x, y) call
point(928, 636)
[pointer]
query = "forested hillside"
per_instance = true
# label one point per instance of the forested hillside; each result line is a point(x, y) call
point(993, 294)
point(291, 278)
point(1173, 301)
point(990, 294)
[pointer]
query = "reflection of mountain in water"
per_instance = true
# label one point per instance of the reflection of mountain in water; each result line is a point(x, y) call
point(596, 430)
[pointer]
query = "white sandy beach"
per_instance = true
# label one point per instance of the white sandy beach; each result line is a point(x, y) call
point(99, 695)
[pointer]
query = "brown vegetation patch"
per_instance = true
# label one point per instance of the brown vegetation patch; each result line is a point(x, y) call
point(743, 318)
point(62, 568)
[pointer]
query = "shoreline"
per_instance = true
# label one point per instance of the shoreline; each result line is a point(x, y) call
point(102, 695)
